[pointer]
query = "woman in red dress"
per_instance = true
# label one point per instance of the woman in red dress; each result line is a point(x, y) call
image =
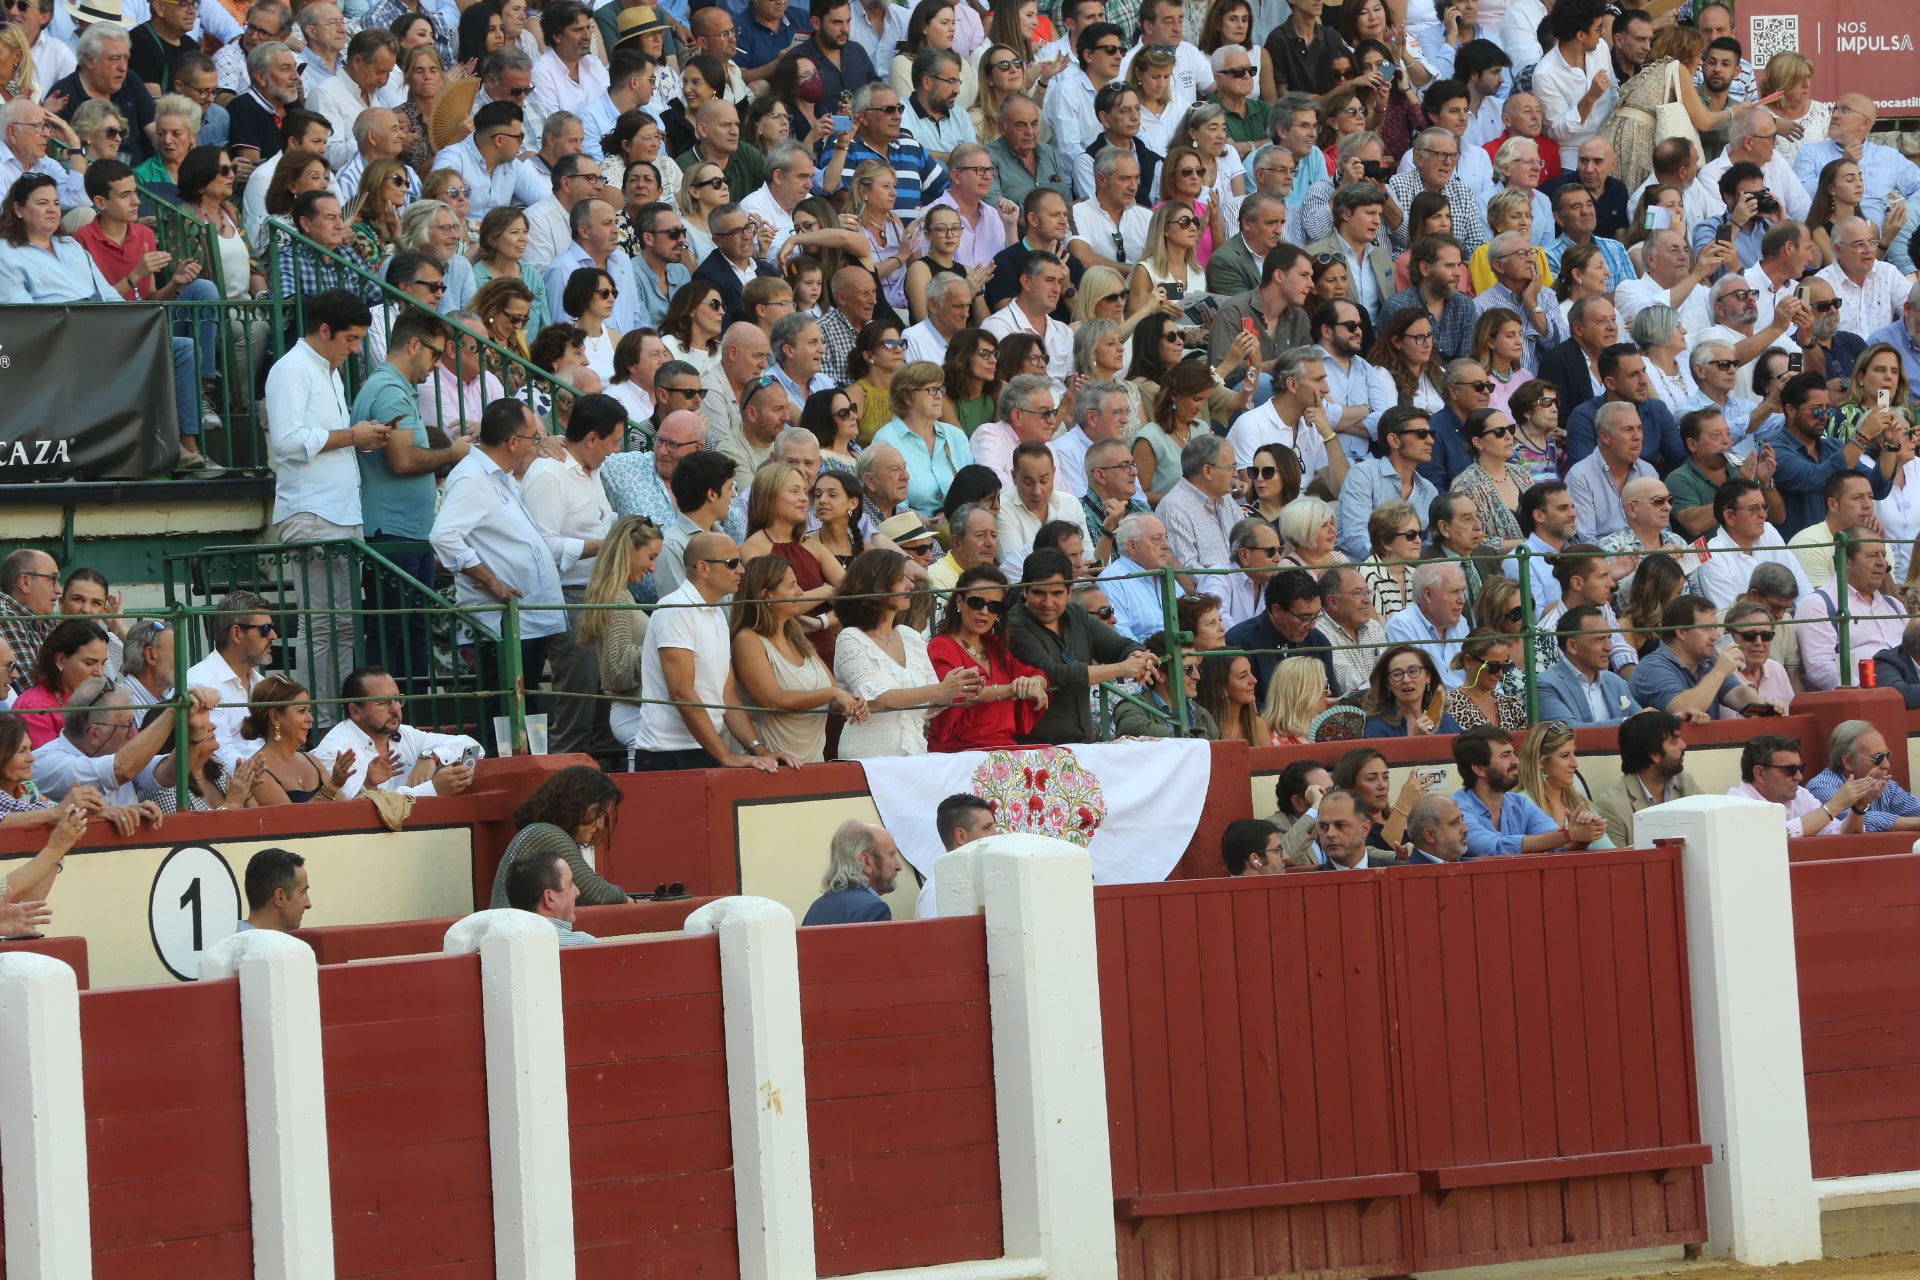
point(973, 633)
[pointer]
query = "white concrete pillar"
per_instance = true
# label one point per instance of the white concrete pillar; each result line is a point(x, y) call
point(1049, 1069)
point(1762, 1208)
point(527, 1121)
point(288, 1172)
point(766, 1084)
point(43, 1122)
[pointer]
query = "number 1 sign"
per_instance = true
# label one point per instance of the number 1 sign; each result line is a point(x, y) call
point(194, 903)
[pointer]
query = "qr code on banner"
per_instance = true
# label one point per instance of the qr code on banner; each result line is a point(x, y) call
point(1774, 33)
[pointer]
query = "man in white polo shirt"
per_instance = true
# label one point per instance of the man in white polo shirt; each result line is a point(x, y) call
point(1042, 281)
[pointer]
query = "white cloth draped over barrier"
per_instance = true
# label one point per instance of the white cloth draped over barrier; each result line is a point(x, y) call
point(1132, 805)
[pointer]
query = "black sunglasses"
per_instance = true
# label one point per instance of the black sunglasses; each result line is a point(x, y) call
point(994, 607)
point(1751, 637)
point(1105, 614)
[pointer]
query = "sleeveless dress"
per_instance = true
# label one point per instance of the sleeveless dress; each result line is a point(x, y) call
point(877, 414)
point(806, 572)
point(801, 734)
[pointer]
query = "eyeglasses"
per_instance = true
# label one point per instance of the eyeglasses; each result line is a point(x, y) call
point(1664, 500)
point(267, 630)
point(1793, 770)
point(1001, 64)
point(1120, 466)
point(1878, 758)
point(1831, 305)
point(732, 562)
point(1497, 432)
point(1724, 366)
point(892, 110)
point(1238, 73)
point(1399, 674)
point(1483, 387)
point(1418, 337)
point(1754, 637)
point(981, 604)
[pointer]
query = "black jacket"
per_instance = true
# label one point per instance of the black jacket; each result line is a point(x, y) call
point(1083, 640)
point(717, 269)
point(1565, 366)
point(1896, 670)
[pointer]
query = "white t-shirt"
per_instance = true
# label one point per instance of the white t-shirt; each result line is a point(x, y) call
point(1263, 426)
point(702, 630)
point(1058, 340)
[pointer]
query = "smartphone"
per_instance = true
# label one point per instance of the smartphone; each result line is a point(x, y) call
point(1883, 398)
point(1174, 292)
point(1250, 327)
point(1794, 362)
point(1431, 778)
point(1725, 233)
point(470, 756)
point(842, 124)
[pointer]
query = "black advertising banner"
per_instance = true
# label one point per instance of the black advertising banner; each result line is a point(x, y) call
point(86, 392)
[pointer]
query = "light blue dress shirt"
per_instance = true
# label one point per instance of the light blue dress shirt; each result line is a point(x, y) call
point(652, 302)
point(1360, 383)
point(929, 471)
point(1612, 252)
point(516, 182)
point(1882, 169)
point(66, 274)
point(627, 312)
point(1373, 483)
point(1519, 818)
point(1546, 589)
point(1410, 626)
point(1138, 610)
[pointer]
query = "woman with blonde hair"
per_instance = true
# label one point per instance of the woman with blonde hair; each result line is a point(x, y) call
point(703, 190)
point(1509, 209)
point(1002, 73)
point(1393, 532)
point(1172, 267)
point(505, 307)
point(1183, 180)
point(776, 666)
point(102, 129)
point(1550, 777)
point(1666, 77)
point(1485, 658)
point(1798, 117)
point(1102, 295)
point(617, 633)
point(16, 64)
point(874, 191)
point(778, 503)
point(1309, 527)
point(1151, 76)
point(1296, 693)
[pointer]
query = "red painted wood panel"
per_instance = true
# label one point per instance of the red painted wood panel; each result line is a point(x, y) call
point(647, 1103)
point(1215, 998)
point(407, 1118)
point(166, 1132)
point(1856, 924)
point(1546, 1019)
point(900, 1110)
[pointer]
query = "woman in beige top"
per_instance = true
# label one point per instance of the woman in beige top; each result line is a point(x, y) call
point(777, 668)
point(627, 555)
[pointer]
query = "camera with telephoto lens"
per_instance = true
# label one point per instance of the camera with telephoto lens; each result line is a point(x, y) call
point(1373, 170)
point(1764, 203)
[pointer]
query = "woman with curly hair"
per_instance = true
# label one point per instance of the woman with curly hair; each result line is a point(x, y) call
point(1405, 350)
point(571, 814)
point(972, 636)
point(505, 308)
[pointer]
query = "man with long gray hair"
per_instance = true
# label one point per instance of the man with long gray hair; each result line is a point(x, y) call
point(862, 864)
point(146, 659)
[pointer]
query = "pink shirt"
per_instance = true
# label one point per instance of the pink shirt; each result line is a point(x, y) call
point(45, 726)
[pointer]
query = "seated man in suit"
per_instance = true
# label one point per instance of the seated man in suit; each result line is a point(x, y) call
point(862, 864)
point(1357, 208)
point(1235, 265)
point(1343, 833)
point(732, 258)
point(1653, 770)
point(1899, 668)
point(1500, 818)
point(1437, 830)
point(1581, 690)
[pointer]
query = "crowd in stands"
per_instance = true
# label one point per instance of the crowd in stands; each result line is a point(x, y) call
point(915, 372)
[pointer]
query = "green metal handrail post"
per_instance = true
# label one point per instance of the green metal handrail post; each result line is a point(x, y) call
point(1176, 655)
point(1842, 611)
point(177, 617)
point(1528, 640)
point(512, 677)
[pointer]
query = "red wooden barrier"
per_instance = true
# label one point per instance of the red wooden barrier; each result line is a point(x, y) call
point(1856, 925)
point(407, 1119)
point(647, 1105)
point(900, 1109)
point(167, 1132)
point(345, 943)
point(1437, 1067)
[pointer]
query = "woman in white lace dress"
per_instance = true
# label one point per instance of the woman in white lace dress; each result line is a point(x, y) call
point(888, 665)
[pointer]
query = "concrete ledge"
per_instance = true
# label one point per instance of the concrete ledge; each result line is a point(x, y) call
point(1874, 1213)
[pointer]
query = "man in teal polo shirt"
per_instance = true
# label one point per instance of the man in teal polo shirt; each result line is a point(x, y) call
point(397, 487)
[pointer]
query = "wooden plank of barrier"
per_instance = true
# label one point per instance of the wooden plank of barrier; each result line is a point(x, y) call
point(1656, 1159)
point(1268, 1195)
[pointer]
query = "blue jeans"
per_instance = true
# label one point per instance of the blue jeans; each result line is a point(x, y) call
point(196, 352)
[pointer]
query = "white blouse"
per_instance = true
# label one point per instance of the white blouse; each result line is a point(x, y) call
point(1899, 514)
point(863, 668)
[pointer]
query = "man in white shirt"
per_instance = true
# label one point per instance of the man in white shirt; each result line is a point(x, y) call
point(1163, 26)
point(569, 505)
point(388, 754)
point(550, 223)
point(242, 633)
point(568, 76)
point(102, 745)
point(1870, 290)
point(1673, 279)
point(1101, 410)
point(1357, 392)
point(1035, 501)
point(362, 83)
point(485, 536)
point(317, 482)
point(688, 656)
point(1574, 80)
point(1676, 163)
point(1745, 541)
point(1098, 47)
point(1876, 619)
point(300, 130)
point(949, 304)
point(789, 181)
point(1042, 280)
point(1295, 418)
point(1110, 226)
point(1752, 138)
point(490, 162)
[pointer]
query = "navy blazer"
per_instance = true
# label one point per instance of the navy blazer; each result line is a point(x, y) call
point(1565, 366)
point(1450, 456)
point(1562, 697)
point(1660, 442)
point(1373, 860)
point(1896, 670)
point(1260, 637)
point(720, 272)
point(854, 905)
point(1421, 858)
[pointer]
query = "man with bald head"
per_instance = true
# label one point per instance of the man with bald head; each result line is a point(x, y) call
point(1883, 169)
point(1649, 526)
point(379, 133)
point(688, 655)
point(744, 356)
point(855, 295)
point(1524, 119)
point(1830, 348)
point(716, 133)
point(1594, 170)
point(1870, 289)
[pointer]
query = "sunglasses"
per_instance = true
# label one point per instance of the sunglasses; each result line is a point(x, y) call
point(694, 391)
point(1828, 306)
point(1238, 73)
point(717, 184)
point(1105, 614)
point(1419, 433)
point(1259, 473)
point(893, 110)
point(732, 562)
point(1724, 366)
point(998, 64)
point(846, 414)
point(980, 604)
point(1483, 387)
point(1502, 432)
point(1184, 223)
point(1754, 637)
point(458, 193)
point(1879, 758)
point(1791, 770)
point(1515, 614)
point(678, 233)
point(894, 344)
point(266, 629)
